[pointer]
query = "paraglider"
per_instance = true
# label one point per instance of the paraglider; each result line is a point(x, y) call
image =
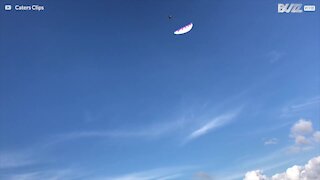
point(184, 29)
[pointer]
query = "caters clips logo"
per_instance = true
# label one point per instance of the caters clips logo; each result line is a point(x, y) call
point(295, 8)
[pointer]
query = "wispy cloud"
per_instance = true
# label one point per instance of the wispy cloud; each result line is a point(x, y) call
point(213, 124)
point(274, 56)
point(159, 174)
point(271, 141)
point(302, 106)
point(149, 131)
point(157, 130)
point(168, 173)
point(15, 159)
point(203, 176)
point(45, 174)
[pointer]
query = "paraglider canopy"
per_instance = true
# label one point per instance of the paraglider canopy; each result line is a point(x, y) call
point(184, 29)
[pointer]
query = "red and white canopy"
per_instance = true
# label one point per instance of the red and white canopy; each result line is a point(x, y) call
point(184, 29)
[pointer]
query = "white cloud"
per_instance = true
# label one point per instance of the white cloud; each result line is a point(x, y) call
point(310, 171)
point(302, 127)
point(292, 173)
point(304, 136)
point(271, 141)
point(301, 140)
point(213, 124)
point(255, 175)
point(316, 136)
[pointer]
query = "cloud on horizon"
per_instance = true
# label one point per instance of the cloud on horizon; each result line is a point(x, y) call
point(310, 171)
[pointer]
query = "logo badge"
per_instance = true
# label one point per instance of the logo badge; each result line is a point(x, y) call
point(290, 8)
point(7, 7)
point(309, 8)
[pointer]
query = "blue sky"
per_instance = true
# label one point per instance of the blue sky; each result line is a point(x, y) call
point(104, 90)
